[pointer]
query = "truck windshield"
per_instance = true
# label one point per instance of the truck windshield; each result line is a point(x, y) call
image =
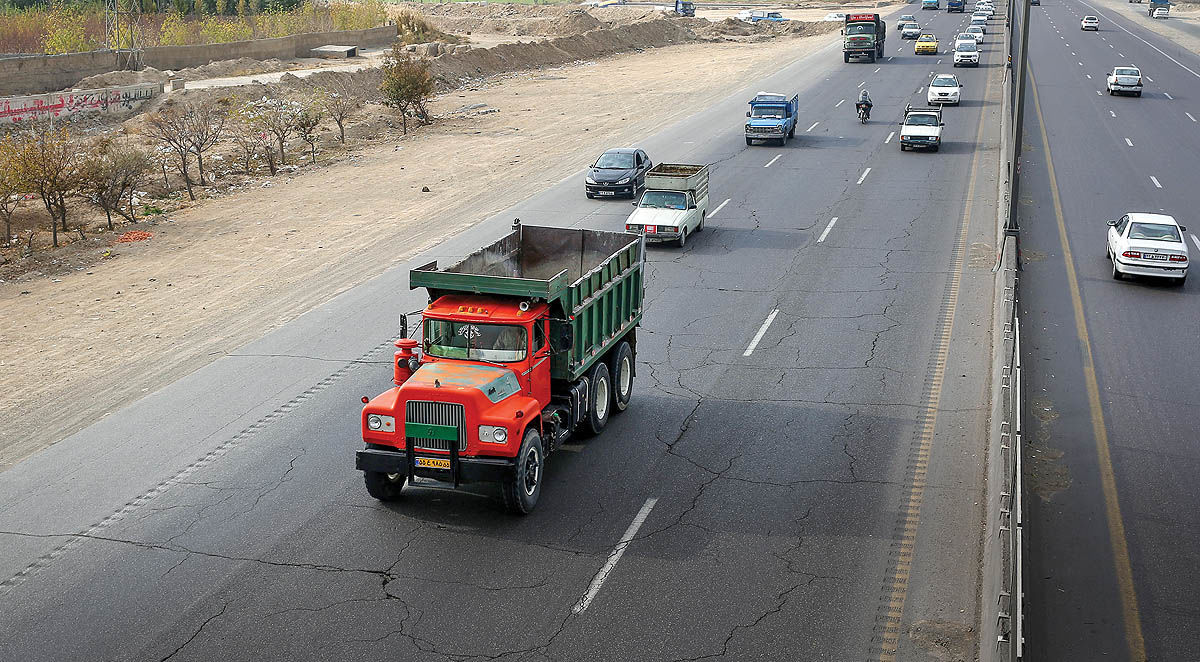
point(860, 28)
point(615, 160)
point(766, 111)
point(664, 200)
point(470, 340)
point(921, 120)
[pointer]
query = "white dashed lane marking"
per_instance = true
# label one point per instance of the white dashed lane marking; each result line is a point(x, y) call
point(1155, 180)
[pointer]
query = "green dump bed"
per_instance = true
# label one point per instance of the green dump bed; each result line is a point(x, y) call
point(593, 281)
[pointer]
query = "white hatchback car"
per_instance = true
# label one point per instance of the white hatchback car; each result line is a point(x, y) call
point(1143, 244)
point(1089, 23)
point(944, 88)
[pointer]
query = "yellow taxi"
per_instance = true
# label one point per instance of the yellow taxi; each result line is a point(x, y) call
point(927, 44)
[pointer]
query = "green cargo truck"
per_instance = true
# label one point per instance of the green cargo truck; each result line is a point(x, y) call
point(524, 342)
point(863, 36)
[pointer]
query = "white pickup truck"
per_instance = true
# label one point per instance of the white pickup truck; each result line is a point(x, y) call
point(921, 129)
point(674, 204)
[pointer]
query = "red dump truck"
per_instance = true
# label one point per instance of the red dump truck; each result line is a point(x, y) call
point(524, 342)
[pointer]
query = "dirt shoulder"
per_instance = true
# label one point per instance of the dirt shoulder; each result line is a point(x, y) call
point(1182, 28)
point(79, 346)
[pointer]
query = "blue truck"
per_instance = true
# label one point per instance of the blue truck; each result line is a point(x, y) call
point(772, 116)
point(959, 6)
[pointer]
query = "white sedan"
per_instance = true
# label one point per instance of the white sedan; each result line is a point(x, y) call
point(944, 88)
point(1142, 244)
point(1089, 23)
point(977, 31)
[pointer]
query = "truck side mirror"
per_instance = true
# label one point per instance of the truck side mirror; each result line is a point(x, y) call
point(747, 113)
point(403, 325)
point(634, 203)
point(1112, 223)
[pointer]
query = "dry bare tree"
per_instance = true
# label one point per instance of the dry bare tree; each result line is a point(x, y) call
point(109, 176)
point(337, 100)
point(48, 165)
point(10, 184)
point(171, 127)
point(205, 123)
point(306, 126)
point(277, 116)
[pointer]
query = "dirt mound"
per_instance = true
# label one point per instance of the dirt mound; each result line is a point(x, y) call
point(115, 78)
point(559, 24)
point(458, 68)
point(242, 66)
point(731, 28)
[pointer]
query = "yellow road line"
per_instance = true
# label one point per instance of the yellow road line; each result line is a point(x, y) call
point(911, 511)
point(1108, 481)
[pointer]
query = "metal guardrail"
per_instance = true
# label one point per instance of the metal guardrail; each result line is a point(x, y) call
point(1010, 598)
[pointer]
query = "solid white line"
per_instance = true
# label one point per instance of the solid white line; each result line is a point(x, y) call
point(719, 208)
point(1155, 180)
point(827, 229)
point(878, 68)
point(1129, 142)
point(773, 160)
point(1168, 96)
point(839, 103)
point(762, 330)
point(864, 175)
point(1189, 116)
point(1196, 241)
point(890, 135)
point(814, 125)
point(614, 556)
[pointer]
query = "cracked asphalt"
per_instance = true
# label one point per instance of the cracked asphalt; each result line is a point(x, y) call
point(221, 518)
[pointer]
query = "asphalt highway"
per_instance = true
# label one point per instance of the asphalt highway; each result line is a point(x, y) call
point(772, 496)
point(1115, 537)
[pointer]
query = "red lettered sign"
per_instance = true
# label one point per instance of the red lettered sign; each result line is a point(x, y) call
point(860, 17)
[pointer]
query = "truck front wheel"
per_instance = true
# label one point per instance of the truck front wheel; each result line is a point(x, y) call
point(845, 57)
point(749, 141)
point(600, 398)
point(385, 487)
point(521, 492)
point(622, 373)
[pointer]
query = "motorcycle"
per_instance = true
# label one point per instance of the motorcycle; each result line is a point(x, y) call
point(864, 112)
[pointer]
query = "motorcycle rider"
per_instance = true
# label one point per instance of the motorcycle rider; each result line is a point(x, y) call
point(864, 101)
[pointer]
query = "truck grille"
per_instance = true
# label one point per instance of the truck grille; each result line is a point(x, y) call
point(763, 129)
point(437, 413)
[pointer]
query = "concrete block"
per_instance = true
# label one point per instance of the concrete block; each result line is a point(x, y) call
point(333, 52)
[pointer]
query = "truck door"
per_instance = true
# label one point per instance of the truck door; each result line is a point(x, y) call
point(539, 365)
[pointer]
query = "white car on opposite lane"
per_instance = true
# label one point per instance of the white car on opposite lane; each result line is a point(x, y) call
point(1142, 244)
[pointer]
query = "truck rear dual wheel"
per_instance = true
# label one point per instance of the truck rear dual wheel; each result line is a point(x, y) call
point(622, 375)
point(521, 492)
point(600, 396)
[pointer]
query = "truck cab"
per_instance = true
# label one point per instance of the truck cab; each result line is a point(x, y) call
point(772, 116)
point(685, 7)
point(863, 36)
point(956, 6)
point(522, 343)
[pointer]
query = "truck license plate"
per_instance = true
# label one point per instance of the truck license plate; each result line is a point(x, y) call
point(432, 462)
point(651, 229)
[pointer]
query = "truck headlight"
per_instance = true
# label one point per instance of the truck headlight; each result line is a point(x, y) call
point(623, 180)
point(493, 434)
point(381, 422)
